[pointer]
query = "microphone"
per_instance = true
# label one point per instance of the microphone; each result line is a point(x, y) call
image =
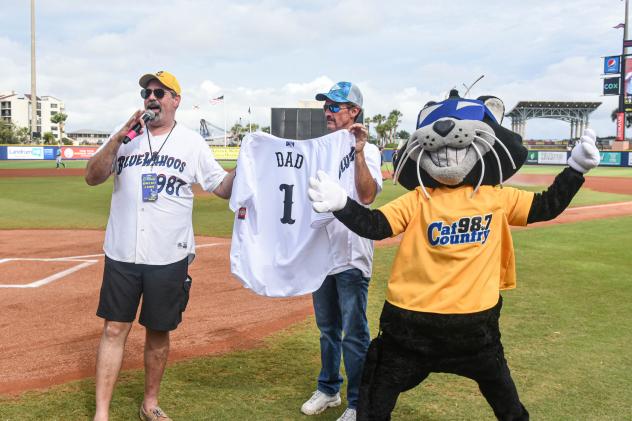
point(148, 115)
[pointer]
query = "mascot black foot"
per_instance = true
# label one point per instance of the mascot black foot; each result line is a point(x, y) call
point(443, 303)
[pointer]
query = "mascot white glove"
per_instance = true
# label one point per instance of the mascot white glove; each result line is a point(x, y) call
point(585, 155)
point(326, 194)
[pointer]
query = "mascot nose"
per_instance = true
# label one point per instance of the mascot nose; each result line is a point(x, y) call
point(443, 127)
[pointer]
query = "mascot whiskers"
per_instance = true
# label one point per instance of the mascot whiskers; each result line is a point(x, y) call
point(456, 253)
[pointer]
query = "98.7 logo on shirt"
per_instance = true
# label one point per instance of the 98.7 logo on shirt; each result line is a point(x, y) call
point(171, 185)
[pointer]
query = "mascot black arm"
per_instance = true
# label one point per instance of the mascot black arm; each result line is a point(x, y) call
point(547, 205)
point(367, 223)
point(551, 202)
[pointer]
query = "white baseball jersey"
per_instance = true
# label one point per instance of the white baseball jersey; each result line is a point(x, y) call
point(159, 232)
point(274, 250)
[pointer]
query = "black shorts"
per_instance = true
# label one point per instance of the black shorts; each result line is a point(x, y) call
point(165, 291)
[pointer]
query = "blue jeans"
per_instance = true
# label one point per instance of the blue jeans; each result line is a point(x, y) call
point(340, 309)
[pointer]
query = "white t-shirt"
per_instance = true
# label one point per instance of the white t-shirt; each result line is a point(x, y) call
point(160, 232)
point(274, 250)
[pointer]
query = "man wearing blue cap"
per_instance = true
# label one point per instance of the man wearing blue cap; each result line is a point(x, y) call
point(340, 303)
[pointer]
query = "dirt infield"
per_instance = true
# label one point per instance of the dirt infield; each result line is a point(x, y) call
point(50, 333)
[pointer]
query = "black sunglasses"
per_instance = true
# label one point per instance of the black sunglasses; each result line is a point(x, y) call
point(158, 93)
point(334, 108)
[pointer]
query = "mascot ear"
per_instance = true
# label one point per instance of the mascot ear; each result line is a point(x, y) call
point(495, 105)
point(423, 112)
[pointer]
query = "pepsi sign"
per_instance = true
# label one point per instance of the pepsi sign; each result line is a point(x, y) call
point(612, 65)
point(611, 86)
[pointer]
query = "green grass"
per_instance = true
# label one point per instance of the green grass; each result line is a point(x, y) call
point(556, 169)
point(27, 165)
point(53, 202)
point(566, 331)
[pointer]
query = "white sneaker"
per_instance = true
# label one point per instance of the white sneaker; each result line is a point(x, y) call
point(319, 402)
point(348, 415)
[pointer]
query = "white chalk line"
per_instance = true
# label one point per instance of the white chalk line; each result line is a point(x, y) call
point(606, 205)
point(82, 260)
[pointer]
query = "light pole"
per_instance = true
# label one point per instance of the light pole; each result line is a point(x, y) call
point(623, 69)
point(33, 90)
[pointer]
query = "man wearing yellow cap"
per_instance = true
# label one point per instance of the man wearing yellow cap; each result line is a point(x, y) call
point(149, 239)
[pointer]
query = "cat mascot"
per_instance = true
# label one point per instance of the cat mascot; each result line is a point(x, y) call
point(456, 253)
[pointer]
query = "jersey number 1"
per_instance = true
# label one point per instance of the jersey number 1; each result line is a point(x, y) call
point(287, 203)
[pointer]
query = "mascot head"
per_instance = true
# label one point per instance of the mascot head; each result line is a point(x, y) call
point(459, 142)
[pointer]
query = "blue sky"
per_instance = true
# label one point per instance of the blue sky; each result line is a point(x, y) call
point(274, 53)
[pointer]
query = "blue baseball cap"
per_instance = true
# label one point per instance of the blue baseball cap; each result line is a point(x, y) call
point(342, 92)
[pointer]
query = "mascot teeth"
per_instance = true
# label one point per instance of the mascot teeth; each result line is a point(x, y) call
point(448, 157)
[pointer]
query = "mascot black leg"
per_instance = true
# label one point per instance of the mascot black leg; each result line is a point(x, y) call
point(488, 367)
point(388, 371)
point(495, 383)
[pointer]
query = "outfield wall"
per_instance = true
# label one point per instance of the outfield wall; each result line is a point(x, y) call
point(32, 153)
point(22, 153)
point(230, 153)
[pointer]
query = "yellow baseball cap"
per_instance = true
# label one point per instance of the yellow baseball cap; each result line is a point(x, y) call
point(163, 77)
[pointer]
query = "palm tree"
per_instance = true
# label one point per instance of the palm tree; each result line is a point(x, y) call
point(378, 120)
point(59, 118)
point(394, 119)
point(236, 132)
point(367, 123)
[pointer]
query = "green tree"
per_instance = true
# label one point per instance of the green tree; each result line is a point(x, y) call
point(367, 122)
point(403, 134)
point(380, 129)
point(394, 119)
point(7, 133)
point(49, 138)
point(60, 119)
point(22, 135)
point(237, 132)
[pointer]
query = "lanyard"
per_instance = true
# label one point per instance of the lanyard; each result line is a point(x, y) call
point(151, 153)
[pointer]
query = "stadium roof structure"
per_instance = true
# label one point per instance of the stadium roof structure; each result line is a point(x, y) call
point(574, 112)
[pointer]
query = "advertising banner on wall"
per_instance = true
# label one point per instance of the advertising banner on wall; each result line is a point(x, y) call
point(612, 65)
point(611, 86)
point(49, 152)
point(629, 159)
point(78, 152)
point(620, 125)
point(25, 152)
point(225, 153)
point(532, 157)
point(610, 158)
point(552, 157)
point(627, 85)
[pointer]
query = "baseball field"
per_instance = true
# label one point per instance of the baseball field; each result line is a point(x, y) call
point(567, 329)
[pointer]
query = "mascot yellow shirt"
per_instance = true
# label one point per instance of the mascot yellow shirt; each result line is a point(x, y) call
point(456, 251)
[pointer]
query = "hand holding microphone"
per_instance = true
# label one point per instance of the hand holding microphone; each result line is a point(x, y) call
point(147, 115)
